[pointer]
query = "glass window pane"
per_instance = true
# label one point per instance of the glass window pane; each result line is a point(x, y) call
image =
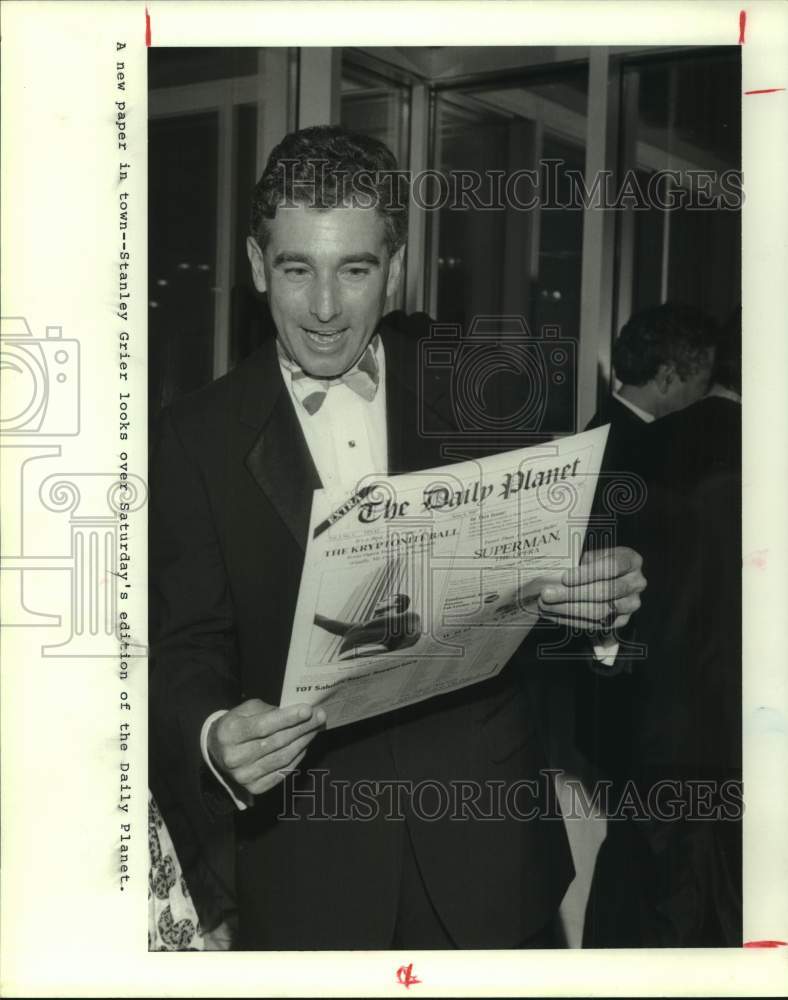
point(380, 107)
point(514, 251)
point(174, 67)
point(376, 106)
point(182, 178)
point(248, 308)
point(682, 114)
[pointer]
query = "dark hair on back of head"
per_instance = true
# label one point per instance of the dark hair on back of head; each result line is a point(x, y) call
point(667, 334)
point(327, 166)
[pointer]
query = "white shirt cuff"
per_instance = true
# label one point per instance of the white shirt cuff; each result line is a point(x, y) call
point(606, 654)
point(240, 803)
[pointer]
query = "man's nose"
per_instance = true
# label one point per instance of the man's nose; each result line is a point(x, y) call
point(325, 304)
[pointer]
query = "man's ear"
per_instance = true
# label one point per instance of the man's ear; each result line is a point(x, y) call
point(395, 271)
point(255, 255)
point(664, 378)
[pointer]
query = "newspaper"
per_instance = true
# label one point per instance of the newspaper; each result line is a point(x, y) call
point(423, 583)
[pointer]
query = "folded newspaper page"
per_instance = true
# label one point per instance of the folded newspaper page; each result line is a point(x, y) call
point(419, 584)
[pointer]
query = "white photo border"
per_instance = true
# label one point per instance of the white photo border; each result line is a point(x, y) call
point(68, 927)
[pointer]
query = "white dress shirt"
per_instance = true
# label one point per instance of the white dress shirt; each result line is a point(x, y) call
point(644, 415)
point(347, 436)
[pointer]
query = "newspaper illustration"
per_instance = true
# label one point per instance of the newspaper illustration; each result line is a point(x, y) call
point(423, 583)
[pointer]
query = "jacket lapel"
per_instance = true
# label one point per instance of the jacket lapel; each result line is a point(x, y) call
point(416, 422)
point(279, 460)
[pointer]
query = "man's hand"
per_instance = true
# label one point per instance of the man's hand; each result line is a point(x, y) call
point(257, 745)
point(601, 594)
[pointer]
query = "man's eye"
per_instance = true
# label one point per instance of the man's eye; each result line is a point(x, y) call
point(296, 273)
point(356, 272)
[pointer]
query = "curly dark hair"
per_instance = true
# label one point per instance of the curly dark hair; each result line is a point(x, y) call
point(327, 166)
point(667, 334)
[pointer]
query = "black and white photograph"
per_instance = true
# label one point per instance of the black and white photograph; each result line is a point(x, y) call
point(393, 499)
point(491, 210)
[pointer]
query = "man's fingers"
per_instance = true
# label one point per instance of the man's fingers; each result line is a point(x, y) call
point(591, 614)
point(598, 591)
point(278, 760)
point(270, 781)
point(252, 706)
point(238, 754)
point(284, 719)
point(254, 730)
point(237, 727)
point(589, 625)
point(602, 565)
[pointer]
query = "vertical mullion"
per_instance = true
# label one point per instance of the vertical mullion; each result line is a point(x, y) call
point(665, 263)
point(402, 112)
point(319, 90)
point(627, 221)
point(536, 216)
point(273, 101)
point(596, 293)
point(264, 111)
point(227, 152)
point(417, 265)
point(664, 289)
point(521, 233)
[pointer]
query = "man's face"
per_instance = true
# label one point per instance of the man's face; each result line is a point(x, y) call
point(683, 392)
point(327, 274)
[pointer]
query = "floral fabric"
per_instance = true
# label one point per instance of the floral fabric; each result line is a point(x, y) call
point(172, 920)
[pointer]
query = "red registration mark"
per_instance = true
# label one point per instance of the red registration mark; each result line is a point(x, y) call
point(405, 976)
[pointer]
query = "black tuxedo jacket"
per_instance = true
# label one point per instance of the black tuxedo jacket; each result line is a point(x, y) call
point(629, 447)
point(672, 883)
point(231, 486)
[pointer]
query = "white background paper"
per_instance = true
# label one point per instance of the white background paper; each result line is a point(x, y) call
point(67, 929)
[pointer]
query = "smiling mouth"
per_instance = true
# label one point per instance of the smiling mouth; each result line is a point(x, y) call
point(324, 338)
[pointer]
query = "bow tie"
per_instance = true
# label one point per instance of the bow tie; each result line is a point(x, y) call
point(310, 392)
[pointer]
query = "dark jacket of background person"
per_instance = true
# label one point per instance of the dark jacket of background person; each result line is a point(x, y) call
point(678, 883)
point(231, 485)
point(604, 709)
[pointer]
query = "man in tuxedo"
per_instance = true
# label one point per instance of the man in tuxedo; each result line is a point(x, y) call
point(663, 358)
point(698, 456)
point(331, 400)
point(649, 887)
